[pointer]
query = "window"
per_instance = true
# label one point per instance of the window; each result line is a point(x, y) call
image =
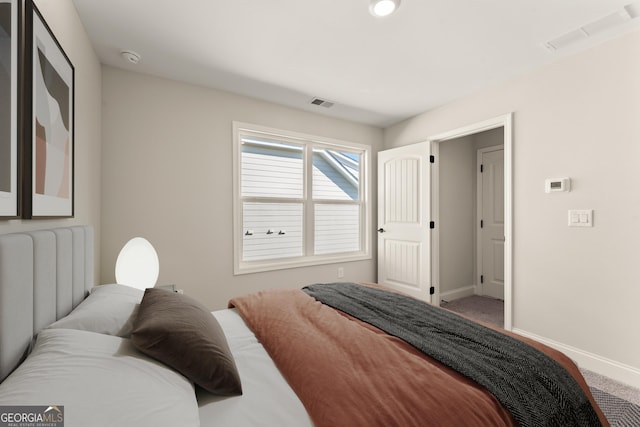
point(298, 200)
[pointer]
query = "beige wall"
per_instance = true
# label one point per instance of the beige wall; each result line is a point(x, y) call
point(577, 118)
point(65, 24)
point(457, 216)
point(489, 138)
point(167, 176)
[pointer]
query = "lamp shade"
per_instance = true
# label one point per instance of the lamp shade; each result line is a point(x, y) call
point(137, 264)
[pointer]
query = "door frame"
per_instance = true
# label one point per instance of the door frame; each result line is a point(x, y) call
point(506, 122)
point(479, 206)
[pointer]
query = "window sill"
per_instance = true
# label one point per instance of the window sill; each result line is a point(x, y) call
point(285, 264)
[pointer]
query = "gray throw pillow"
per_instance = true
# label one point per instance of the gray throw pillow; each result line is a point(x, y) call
point(180, 332)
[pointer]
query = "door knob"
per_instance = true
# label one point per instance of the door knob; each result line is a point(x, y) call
point(381, 230)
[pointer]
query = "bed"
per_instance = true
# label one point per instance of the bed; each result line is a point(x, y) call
point(324, 355)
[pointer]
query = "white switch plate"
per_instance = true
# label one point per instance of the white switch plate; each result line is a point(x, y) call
point(580, 217)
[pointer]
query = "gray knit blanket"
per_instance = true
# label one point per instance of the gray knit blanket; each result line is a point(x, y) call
point(533, 387)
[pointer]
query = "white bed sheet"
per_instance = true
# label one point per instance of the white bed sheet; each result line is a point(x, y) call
point(101, 380)
point(267, 399)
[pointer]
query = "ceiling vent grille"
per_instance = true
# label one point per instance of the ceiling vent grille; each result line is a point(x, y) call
point(321, 103)
point(607, 23)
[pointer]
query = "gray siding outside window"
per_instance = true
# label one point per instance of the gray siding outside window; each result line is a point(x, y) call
point(272, 176)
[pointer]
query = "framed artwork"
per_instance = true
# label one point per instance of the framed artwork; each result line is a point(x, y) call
point(9, 108)
point(48, 122)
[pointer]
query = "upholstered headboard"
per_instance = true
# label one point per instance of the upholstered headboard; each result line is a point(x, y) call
point(43, 275)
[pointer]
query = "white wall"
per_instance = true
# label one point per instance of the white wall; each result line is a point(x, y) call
point(65, 24)
point(167, 176)
point(577, 287)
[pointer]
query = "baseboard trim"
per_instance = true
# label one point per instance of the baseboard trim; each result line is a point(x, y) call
point(601, 365)
point(465, 291)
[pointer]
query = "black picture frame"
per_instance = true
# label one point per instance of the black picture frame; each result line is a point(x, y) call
point(48, 139)
point(11, 38)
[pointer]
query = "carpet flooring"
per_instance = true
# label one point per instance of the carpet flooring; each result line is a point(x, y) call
point(489, 310)
point(619, 402)
point(619, 412)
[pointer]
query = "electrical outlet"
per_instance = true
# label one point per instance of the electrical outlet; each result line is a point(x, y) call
point(340, 272)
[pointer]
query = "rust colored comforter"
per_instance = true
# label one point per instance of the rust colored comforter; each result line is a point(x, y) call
point(348, 373)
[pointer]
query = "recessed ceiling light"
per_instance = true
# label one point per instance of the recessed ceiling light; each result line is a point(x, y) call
point(382, 8)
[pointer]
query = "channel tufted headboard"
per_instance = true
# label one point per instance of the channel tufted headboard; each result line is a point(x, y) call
point(43, 275)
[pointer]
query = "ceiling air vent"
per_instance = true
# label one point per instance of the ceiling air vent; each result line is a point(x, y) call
point(607, 23)
point(321, 103)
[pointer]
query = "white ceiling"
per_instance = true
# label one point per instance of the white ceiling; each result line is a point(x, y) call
point(376, 70)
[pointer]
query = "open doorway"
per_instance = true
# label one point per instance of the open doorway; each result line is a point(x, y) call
point(472, 205)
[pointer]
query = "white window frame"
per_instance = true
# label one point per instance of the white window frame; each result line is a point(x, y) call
point(308, 259)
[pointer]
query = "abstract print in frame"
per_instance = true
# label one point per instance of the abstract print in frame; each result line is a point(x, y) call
point(49, 109)
point(9, 108)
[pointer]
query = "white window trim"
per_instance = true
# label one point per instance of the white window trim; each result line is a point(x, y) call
point(242, 267)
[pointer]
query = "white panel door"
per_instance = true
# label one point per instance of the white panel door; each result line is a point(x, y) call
point(492, 231)
point(404, 260)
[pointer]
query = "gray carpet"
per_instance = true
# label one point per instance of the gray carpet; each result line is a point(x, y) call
point(619, 412)
point(621, 408)
point(484, 309)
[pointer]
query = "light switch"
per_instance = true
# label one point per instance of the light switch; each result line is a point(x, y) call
point(581, 218)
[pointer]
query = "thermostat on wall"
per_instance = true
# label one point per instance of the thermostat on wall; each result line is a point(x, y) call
point(553, 185)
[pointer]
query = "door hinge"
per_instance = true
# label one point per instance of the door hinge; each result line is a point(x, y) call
point(481, 168)
point(481, 278)
point(432, 290)
point(432, 224)
point(432, 159)
point(481, 223)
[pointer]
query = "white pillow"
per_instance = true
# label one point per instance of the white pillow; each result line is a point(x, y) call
point(109, 309)
point(100, 380)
